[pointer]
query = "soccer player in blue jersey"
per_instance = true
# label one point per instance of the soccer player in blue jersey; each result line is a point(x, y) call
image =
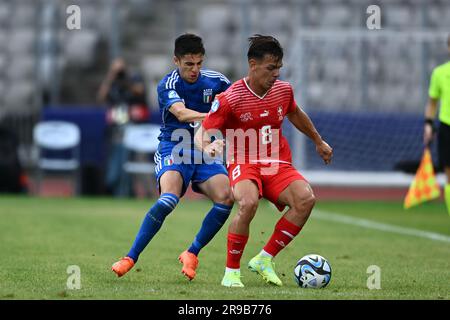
point(185, 97)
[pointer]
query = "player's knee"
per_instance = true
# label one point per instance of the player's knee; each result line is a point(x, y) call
point(311, 200)
point(248, 206)
point(228, 201)
point(225, 198)
point(305, 203)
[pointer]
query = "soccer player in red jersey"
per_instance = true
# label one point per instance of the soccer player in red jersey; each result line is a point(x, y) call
point(252, 110)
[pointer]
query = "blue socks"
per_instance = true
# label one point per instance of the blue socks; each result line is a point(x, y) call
point(152, 223)
point(212, 223)
point(154, 219)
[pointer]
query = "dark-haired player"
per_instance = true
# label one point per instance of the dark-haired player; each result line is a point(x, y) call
point(255, 106)
point(185, 97)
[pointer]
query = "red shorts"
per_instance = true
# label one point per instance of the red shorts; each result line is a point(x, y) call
point(271, 179)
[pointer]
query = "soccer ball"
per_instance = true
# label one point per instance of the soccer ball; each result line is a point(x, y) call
point(312, 271)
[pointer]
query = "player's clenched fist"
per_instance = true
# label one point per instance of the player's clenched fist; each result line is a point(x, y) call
point(215, 148)
point(325, 151)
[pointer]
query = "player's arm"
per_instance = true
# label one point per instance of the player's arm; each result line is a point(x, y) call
point(213, 122)
point(430, 114)
point(183, 114)
point(304, 124)
point(202, 141)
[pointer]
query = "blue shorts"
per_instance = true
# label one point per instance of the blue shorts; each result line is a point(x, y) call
point(190, 172)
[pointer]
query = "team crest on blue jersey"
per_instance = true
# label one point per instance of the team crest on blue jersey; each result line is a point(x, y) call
point(173, 94)
point(207, 95)
point(168, 161)
point(215, 105)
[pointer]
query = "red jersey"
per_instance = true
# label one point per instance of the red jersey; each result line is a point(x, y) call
point(252, 124)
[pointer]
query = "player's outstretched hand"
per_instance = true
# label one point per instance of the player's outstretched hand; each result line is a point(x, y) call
point(215, 148)
point(325, 151)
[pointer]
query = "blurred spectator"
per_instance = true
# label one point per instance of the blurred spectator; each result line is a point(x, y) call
point(119, 89)
point(13, 178)
point(124, 95)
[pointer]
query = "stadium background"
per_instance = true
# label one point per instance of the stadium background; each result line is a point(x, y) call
point(364, 89)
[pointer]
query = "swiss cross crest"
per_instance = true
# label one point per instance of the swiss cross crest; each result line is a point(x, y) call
point(207, 95)
point(246, 117)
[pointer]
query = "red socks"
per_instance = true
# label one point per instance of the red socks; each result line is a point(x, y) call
point(284, 232)
point(235, 248)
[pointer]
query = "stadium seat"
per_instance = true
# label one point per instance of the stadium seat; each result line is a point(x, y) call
point(80, 48)
point(58, 144)
point(215, 23)
point(219, 63)
point(214, 17)
point(216, 42)
point(21, 41)
point(336, 16)
point(21, 67)
point(24, 15)
point(154, 67)
point(18, 96)
point(315, 90)
point(141, 142)
point(274, 20)
point(438, 16)
point(400, 17)
point(3, 63)
point(140, 139)
point(337, 69)
point(4, 15)
point(3, 40)
point(96, 15)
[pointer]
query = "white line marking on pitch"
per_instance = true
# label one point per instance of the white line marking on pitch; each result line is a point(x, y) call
point(337, 217)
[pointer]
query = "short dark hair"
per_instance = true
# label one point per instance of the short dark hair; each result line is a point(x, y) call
point(264, 45)
point(188, 43)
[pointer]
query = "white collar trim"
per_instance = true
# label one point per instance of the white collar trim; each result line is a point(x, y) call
point(248, 87)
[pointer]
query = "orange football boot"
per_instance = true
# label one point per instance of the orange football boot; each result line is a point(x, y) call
point(190, 263)
point(122, 266)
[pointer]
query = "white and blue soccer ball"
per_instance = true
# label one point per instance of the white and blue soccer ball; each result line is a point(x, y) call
point(312, 271)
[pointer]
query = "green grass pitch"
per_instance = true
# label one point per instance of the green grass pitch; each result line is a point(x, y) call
point(41, 238)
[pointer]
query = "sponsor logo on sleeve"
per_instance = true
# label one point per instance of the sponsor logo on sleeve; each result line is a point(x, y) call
point(215, 105)
point(173, 94)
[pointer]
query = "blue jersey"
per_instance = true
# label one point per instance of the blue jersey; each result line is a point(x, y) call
point(195, 96)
